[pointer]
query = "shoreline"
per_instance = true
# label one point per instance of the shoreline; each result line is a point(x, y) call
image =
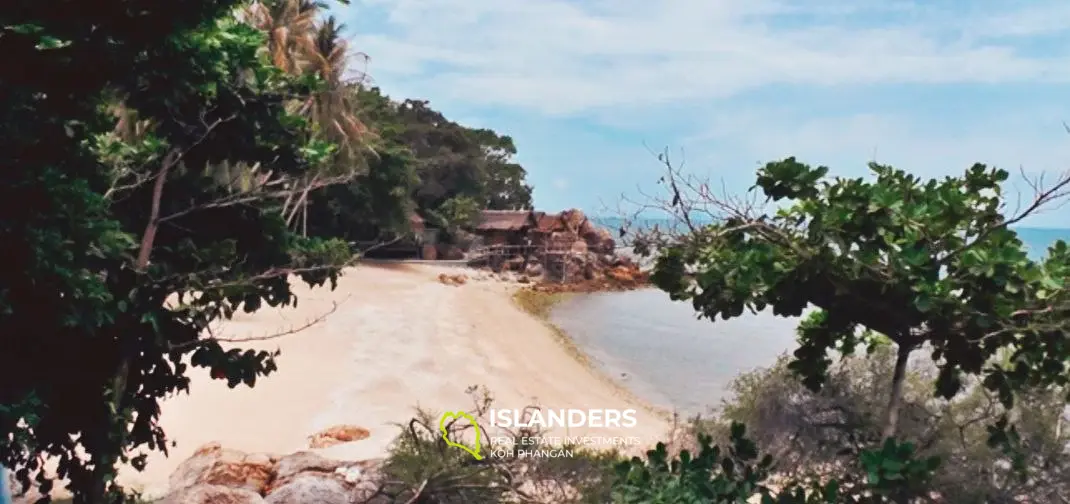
point(400, 339)
point(542, 312)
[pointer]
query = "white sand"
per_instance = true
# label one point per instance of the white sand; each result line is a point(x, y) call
point(398, 339)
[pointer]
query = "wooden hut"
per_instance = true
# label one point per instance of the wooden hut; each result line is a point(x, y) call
point(505, 227)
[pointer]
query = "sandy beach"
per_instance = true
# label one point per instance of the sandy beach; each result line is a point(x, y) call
point(398, 338)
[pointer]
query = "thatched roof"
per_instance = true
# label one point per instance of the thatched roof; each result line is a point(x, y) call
point(505, 220)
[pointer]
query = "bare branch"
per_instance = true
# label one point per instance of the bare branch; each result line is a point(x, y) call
point(293, 330)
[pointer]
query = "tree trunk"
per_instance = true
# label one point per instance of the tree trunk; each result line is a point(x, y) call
point(895, 396)
point(104, 457)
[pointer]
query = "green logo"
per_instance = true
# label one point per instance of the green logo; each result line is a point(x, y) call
point(445, 435)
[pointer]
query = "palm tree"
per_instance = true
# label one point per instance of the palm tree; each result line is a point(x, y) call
point(331, 108)
point(288, 23)
point(300, 46)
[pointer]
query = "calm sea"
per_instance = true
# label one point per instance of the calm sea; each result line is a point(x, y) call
point(663, 353)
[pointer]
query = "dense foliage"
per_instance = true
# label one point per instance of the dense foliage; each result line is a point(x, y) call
point(160, 157)
point(929, 264)
point(810, 432)
point(422, 467)
point(425, 164)
point(121, 243)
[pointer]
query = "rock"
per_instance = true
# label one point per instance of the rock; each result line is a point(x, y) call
point(515, 264)
point(523, 279)
point(428, 253)
point(309, 488)
point(579, 247)
point(305, 461)
point(533, 270)
point(454, 280)
point(212, 465)
point(213, 494)
point(587, 230)
point(337, 435)
point(573, 219)
point(450, 252)
point(346, 483)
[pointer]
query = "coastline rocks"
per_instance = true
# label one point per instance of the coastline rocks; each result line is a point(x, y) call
point(575, 255)
point(214, 475)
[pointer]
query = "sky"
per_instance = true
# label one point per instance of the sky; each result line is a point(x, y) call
point(591, 90)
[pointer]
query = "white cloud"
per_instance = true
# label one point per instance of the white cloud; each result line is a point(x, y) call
point(558, 57)
point(677, 67)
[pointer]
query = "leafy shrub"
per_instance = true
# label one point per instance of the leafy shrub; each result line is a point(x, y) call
point(422, 467)
point(812, 434)
point(893, 474)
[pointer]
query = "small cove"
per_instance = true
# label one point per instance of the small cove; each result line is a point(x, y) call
point(659, 350)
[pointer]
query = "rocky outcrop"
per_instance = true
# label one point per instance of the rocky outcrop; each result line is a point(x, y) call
point(571, 253)
point(215, 475)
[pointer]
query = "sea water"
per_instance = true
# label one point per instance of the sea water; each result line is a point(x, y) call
point(659, 349)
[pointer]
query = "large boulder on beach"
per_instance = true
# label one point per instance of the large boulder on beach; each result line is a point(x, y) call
point(214, 475)
point(307, 477)
point(213, 494)
point(211, 465)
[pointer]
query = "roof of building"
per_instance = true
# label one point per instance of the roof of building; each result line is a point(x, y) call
point(505, 220)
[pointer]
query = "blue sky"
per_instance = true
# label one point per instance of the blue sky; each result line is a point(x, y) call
point(586, 88)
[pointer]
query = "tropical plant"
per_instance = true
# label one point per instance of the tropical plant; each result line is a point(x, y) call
point(930, 265)
point(122, 247)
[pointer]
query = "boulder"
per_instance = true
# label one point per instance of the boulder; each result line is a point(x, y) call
point(211, 465)
point(213, 494)
point(455, 280)
point(579, 247)
point(311, 487)
point(573, 219)
point(534, 269)
point(214, 475)
point(304, 461)
point(337, 435)
point(305, 477)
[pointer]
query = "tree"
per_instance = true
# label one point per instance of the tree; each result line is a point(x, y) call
point(421, 163)
point(455, 162)
point(301, 46)
point(929, 264)
point(379, 200)
point(122, 249)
